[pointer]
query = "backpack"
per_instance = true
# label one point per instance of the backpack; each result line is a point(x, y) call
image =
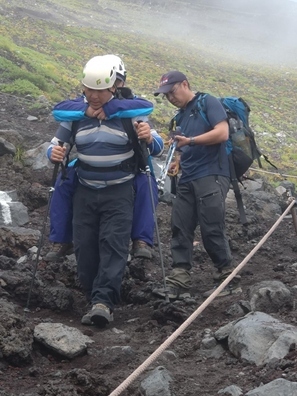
point(241, 146)
point(241, 143)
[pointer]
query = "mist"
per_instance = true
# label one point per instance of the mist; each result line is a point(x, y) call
point(247, 30)
point(253, 31)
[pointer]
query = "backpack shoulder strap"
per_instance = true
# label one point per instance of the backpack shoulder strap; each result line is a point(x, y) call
point(236, 189)
point(129, 129)
point(201, 106)
point(139, 155)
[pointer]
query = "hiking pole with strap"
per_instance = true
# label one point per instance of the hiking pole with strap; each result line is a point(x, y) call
point(41, 239)
point(145, 154)
point(140, 147)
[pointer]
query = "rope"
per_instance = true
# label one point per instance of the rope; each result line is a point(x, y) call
point(195, 314)
point(271, 173)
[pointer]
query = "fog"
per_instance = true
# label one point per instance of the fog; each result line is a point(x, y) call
point(249, 31)
point(257, 31)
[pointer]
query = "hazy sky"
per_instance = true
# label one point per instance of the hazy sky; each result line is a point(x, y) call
point(250, 30)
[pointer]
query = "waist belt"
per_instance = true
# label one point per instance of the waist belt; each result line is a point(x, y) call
point(128, 165)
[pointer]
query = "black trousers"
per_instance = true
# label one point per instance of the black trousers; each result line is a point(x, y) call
point(102, 221)
point(200, 202)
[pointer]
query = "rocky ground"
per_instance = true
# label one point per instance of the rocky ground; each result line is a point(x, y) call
point(142, 322)
point(197, 361)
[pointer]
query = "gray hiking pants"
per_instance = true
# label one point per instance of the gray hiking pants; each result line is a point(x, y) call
point(200, 202)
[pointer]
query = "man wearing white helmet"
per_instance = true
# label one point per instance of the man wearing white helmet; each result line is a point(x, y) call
point(61, 214)
point(103, 200)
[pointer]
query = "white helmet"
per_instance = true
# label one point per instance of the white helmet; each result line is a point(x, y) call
point(119, 66)
point(99, 73)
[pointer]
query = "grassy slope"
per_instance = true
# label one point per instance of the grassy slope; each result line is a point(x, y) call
point(40, 57)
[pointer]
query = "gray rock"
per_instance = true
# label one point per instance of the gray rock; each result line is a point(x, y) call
point(239, 308)
point(57, 297)
point(6, 147)
point(288, 185)
point(259, 338)
point(269, 296)
point(32, 118)
point(15, 241)
point(12, 213)
point(157, 383)
point(16, 339)
point(64, 340)
point(12, 136)
point(278, 387)
point(36, 158)
point(223, 332)
point(231, 390)
point(254, 185)
point(208, 342)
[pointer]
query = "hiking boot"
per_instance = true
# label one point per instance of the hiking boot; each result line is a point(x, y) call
point(174, 292)
point(219, 275)
point(229, 290)
point(86, 319)
point(141, 249)
point(59, 251)
point(100, 315)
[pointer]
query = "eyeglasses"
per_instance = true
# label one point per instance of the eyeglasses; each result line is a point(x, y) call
point(172, 91)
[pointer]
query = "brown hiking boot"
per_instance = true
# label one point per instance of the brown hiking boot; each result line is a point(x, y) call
point(60, 250)
point(141, 249)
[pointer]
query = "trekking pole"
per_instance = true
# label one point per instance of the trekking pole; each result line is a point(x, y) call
point(145, 153)
point(164, 170)
point(165, 167)
point(41, 239)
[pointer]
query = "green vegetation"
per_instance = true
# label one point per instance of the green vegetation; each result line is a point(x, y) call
point(40, 57)
point(19, 154)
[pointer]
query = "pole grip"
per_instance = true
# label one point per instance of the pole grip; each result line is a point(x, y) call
point(144, 150)
point(56, 167)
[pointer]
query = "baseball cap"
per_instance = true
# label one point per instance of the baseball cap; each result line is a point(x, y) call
point(168, 80)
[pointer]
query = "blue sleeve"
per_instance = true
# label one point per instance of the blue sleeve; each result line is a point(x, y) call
point(63, 134)
point(70, 110)
point(127, 108)
point(157, 146)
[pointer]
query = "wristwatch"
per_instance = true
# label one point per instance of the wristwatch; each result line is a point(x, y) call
point(192, 142)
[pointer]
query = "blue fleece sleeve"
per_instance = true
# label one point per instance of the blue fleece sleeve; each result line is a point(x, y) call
point(63, 134)
point(127, 108)
point(157, 146)
point(70, 110)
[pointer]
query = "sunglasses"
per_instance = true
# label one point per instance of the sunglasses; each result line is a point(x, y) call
point(172, 91)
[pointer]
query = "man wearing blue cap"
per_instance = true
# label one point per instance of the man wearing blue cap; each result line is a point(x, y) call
point(202, 188)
